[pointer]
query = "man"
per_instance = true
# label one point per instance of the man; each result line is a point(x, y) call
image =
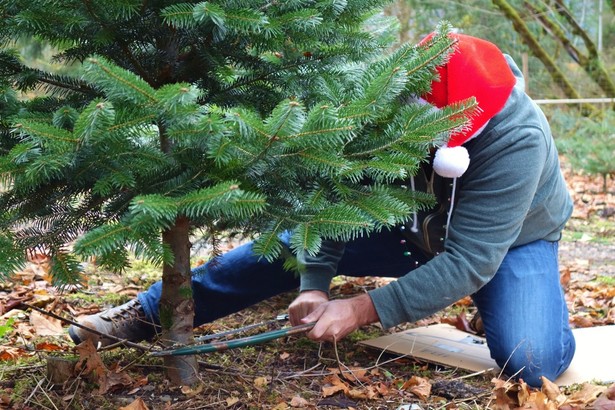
point(502, 203)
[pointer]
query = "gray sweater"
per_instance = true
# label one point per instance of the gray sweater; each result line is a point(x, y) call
point(512, 194)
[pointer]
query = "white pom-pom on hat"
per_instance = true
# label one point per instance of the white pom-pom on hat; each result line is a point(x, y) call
point(451, 162)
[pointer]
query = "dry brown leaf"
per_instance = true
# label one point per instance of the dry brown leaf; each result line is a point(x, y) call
point(192, 391)
point(48, 347)
point(261, 382)
point(418, 386)
point(333, 384)
point(588, 394)
point(552, 391)
point(328, 391)
point(358, 394)
point(460, 322)
point(504, 393)
point(372, 391)
point(280, 406)
point(581, 321)
point(606, 401)
point(298, 401)
point(45, 325)
point(5, 399)
point(89, 360)
point(12, 353)
point(231, 401)
point(91, 365)
point(355, 374)
point(115, 381)
point(138, 404)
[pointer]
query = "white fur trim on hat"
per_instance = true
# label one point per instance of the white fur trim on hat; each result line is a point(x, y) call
point(451, 162)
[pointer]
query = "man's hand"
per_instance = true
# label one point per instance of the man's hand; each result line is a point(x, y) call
point(304, 304)
point(337, 318)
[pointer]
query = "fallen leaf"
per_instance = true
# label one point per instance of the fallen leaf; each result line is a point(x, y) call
point(552, 391)
point(460, 322)
point(48, 347)
point(12, 353)
point(505, 395)
point(45, 325)
point(117, 380)
point(5, 399)
point(138, 404)
point(192, 391)
point(418, 386)
point(260, 382)
point(355, 393)
point(588, 394)
point(91, 365)
point(230, 401)
point(352, 373)
point(333, 384)
point(298, 401)
point(281, 406)
point(606, 401)
point(89, 360)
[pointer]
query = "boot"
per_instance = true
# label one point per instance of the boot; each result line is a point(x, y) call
point(476, 324)
point(127, 321)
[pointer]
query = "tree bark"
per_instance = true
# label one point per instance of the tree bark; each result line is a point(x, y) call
point(177, 305)
point(590, 62)
point(537, 50)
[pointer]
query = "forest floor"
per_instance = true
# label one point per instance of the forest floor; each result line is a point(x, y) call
point(291, 372)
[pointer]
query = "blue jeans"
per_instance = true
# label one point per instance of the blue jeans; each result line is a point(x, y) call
point(522, 307)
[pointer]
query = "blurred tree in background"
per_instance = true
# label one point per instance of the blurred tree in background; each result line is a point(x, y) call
point(576, 35)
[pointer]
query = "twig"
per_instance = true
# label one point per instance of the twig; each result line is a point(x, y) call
point(48, 398)
point(473, 374)
point(507, 360)
point(340, 364)
point(77, 383)
point(38, 385)
point(303, 372)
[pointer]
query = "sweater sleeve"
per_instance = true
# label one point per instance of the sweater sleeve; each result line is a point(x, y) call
point(319, 270)
point(496, 193)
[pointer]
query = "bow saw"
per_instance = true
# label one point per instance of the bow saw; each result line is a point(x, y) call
point(216, 346)
point(219, 346)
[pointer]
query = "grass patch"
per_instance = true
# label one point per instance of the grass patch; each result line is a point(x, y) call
point(594, 229)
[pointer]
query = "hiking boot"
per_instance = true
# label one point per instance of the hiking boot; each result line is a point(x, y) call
point(476, 324)
point(127, 322)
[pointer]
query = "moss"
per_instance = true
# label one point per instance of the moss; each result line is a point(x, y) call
point(607, 280)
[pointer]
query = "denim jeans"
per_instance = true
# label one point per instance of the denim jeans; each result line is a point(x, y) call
point(522, 307)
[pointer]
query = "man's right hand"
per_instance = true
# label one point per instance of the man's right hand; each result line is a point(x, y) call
point(304, 304)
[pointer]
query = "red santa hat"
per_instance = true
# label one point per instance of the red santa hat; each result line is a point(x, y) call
point(477, 68)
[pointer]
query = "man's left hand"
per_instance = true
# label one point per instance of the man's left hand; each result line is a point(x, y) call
point(337, 318)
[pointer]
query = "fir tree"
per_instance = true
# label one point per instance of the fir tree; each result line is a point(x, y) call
point(253, 115)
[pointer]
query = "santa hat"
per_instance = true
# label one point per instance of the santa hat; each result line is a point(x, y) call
point(477, 68)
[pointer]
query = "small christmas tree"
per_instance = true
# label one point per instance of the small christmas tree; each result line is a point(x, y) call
point(588, 143)
point(259, 116)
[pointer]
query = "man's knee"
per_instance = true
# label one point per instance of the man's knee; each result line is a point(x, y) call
point(531, 363)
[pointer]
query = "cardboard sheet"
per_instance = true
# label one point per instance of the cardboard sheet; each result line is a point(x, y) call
point(594, 359)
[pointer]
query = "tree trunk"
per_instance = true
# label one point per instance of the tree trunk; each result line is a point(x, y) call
point(539, 52)
point(177, 305)
point(590, 62)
